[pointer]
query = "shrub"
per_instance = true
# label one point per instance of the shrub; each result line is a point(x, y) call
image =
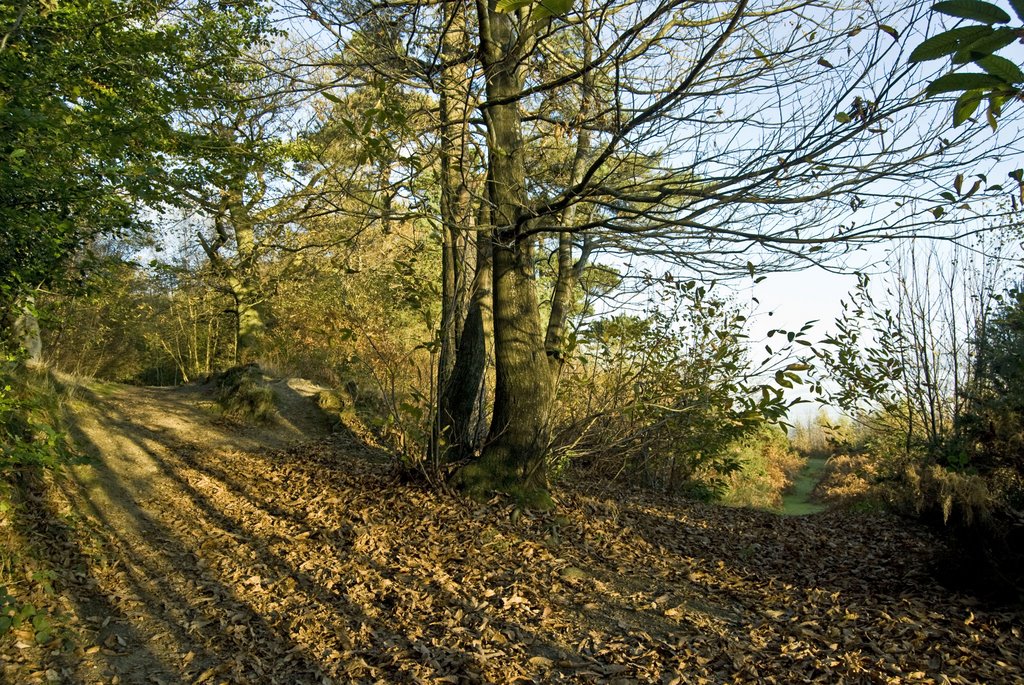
point(767, 468)
point(662, 399)
point(243, 394)
point(31, 417)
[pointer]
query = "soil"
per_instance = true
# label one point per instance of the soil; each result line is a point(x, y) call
point(191, 549)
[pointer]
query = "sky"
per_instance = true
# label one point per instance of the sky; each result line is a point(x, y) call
point(790, 300)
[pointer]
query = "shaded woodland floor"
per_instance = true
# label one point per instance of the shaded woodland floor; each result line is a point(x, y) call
point(196, 551)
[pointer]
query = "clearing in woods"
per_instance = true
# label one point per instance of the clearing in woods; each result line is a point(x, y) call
point(191, 550)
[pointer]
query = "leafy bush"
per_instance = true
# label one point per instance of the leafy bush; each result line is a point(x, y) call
point(661, 400)
point(992, 430)
point(942, 435)
point(767, 467)
point(31, 418)
point(981, 489)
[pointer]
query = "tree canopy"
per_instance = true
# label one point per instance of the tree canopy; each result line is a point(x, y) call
point(88, 97)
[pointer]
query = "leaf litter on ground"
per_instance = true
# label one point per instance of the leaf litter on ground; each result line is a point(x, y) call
point(314, 564)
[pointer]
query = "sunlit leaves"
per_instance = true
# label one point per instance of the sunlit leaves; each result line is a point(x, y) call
point(89, 91)
point(889, 30)
point(974, 44)
point(542, 9)
point(554, 8)
point(511, 5)
point(985, 12)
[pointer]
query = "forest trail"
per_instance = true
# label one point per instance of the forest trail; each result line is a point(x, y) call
point(798, 499)
point(132, 433)
point(192, 550)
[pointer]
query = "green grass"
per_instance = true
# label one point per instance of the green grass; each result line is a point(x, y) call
point(796, 501)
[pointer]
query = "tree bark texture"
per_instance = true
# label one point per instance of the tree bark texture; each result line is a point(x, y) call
point(454, 374)
point(513, 460)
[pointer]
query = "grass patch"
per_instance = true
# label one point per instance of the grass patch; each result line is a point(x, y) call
point(798, 498)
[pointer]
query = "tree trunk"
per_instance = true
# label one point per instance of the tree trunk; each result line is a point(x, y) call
point(249, 316)
point(250, 323)
point(561, 299)
point(565, 280)
point(462, 405)
point(27, 330)
point(451, 427)
point(514, 459)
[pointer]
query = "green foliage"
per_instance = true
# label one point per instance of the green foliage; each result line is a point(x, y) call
point(13, 616)
point(88, 91)
point(1002, 79)
point(985, 12)
point(662, 399)
point(541, 9)
point(991, 432)
point(31, 418)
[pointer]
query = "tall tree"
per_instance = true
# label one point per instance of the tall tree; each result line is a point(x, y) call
point(247, 193)
point(429, 48)
point(519, 434)
point(722, 138)
point(464, 250)
point(759, 140)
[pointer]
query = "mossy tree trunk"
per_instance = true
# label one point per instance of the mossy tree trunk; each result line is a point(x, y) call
point(513, 460)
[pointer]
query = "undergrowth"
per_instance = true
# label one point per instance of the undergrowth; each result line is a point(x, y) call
point(33, 441)
point(243, 395)
point(767, 468)
point(32, 426)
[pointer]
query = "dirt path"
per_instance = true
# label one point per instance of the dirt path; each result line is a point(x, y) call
point(133, 433)
point(192, 552)
point(141, 572)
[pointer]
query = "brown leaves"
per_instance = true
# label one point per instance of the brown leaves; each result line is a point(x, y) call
point(315, 566)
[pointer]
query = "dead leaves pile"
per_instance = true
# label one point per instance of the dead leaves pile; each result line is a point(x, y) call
point(316, 566)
